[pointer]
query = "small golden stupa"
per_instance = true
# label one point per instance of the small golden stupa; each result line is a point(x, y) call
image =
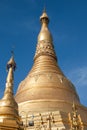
point(9, 117)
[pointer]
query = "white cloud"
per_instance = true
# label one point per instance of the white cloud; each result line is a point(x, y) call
point(79, 76)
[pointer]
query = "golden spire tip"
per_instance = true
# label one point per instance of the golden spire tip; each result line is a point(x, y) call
point(11, 63)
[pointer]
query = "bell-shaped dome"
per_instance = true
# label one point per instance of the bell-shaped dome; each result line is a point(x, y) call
point(45, 88)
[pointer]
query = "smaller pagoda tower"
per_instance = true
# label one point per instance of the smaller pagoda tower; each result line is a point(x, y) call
point(9, 117)
point(75, 119)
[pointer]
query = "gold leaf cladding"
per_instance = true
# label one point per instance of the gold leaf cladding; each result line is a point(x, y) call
point(36, 77)
point(49, 76)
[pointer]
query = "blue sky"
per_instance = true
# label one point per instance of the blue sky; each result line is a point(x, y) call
point(19, 28)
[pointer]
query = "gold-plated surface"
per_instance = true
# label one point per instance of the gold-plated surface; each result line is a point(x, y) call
point(9, 117)
point(44, 33)
point(52, 121)
point(45, 96)
point(46, 88)
point(45, 121)
point(45, 80)
point(75, 119)
point(45, 42)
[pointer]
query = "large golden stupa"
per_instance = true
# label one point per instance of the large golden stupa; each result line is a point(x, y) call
point(46, 92)
point(45, 88)
point(47, 100)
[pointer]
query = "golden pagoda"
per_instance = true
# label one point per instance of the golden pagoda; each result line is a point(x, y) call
point(45, 99)
point(9, 117)
point(45, 96)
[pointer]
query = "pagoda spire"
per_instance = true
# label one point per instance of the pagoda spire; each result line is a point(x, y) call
point(75, 119)
point(8, 105)
point(45, 40)
point(11, 66)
